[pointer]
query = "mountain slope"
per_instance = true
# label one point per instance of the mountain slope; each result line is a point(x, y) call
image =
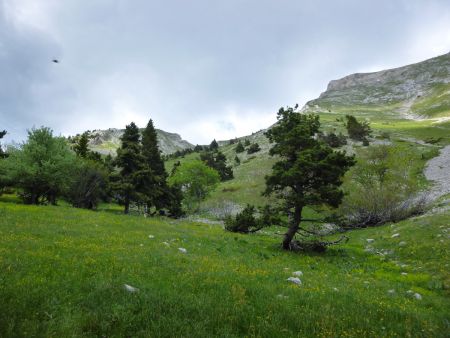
point(107, 141)
point(419, 90)
point(388, 99)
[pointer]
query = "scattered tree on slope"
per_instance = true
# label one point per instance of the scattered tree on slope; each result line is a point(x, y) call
point(309, 171)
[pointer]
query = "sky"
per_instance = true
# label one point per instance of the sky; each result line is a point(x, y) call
point(201, 68)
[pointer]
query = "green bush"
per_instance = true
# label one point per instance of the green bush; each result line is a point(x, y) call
point(382, 188)
point(254, 148)
point(358, 131)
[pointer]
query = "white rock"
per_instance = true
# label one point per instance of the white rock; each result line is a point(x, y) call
point(404, 273)
point(402, 243)
point(141, 244)
point(166, 244)
point(410, 292)
point(395, 235)
point(335, 289)
point(418, 296)
point(297, 273)
point(182, 250)
point(151, 236)
point(370, 240)
point(130, 288)
point(391, 291)
point(294, 280)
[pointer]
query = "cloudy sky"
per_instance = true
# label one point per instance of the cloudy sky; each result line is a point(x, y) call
point(202, 68)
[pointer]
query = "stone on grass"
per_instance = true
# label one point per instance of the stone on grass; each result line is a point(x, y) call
point(418, 296)
point(130, 288)
point(295, 280)
point(370, 240)
point(391, 291)
point(297, 273)
point(395, 235)
point(182, 250)
point(151, 236)
point(402, 243)
point(404, 273)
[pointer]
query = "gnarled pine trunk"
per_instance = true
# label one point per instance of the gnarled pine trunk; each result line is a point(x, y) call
point(293, 227)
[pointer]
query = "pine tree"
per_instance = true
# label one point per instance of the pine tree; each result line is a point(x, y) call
point(240, 147)
point(308, 171)
point(157, 191)
point(81, 147)
point(132, 168)
point(214, 145)
point(218, 161)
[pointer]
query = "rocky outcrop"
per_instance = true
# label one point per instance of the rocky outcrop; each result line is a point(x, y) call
point(107, 141)
point(402, 88)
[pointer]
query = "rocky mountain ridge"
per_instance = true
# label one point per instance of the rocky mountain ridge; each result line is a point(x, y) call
point(107, 141)
point(417, 90)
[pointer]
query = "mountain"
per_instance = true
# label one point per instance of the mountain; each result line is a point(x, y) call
point(410, 104)
point(107, 141)
point(416, 91)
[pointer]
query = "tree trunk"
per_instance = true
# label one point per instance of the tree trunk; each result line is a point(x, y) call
point(289, 235)
point(127, 206)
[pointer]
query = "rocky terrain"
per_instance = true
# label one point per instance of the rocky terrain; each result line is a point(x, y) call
point(107, 141)
point(415, 91)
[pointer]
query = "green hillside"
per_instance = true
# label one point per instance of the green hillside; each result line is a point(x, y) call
point(405, 106)
point(64, 271)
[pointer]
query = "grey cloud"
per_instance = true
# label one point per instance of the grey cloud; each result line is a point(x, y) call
point(191, 64)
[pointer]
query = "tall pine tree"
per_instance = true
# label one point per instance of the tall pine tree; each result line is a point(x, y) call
point(155, 186)
point(132, 174)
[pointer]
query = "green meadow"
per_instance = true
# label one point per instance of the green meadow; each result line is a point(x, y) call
point(63, 272)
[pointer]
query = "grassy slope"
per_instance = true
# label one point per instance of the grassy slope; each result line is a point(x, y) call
point(63, 270)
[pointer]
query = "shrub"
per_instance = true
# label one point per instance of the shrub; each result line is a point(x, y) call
point(254, 148)
point(381, 188)
point(244, 222)
point(333, 140)
point(240, 147)
point(358, 131)
point(89, 186)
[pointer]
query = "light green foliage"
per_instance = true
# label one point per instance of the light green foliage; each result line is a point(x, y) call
point(383, 186)
point(196, 180)
point(41, 167)
point(64, 270)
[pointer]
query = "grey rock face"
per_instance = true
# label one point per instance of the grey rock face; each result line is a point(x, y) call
point(107, 141)
point(402, 86)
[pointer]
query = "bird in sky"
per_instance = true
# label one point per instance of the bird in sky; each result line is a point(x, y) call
point(55, 60)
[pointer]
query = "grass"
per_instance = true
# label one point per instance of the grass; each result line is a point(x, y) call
point(63, 272)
